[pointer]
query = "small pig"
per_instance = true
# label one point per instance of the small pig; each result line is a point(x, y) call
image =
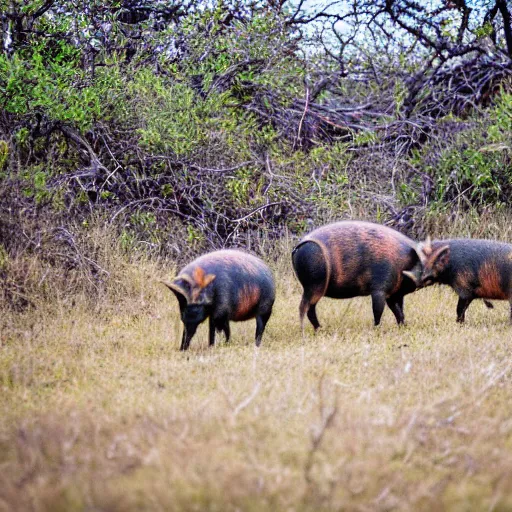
point(353, 258)
point(475, 269)
point(223, 285)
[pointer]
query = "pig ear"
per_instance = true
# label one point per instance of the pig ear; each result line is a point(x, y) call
point(425, 248)
point(421, 255)
point(181, 293)
point(202, 279)
point(411, 276)
point(208, 279)
point(442, 256)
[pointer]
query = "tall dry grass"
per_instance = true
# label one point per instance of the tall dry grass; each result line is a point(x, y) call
point(100, 411)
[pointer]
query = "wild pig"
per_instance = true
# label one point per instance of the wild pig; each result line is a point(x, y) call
point(222, 286)
point(473, 268)
point(353, 258)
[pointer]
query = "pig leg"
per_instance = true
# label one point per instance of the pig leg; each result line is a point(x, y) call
point(308, 306)
point(304, 306)
point(225, 328)
point(400, 302)
point(462, 305)
point(188, 333)
point(378, 305)
point(261, 322)
point(219, 324)
point(312, 271)
point(312, 316)
point(183, 338)
point(396, 304)
point(211, 332)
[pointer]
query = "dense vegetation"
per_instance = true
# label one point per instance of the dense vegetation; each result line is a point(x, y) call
point(192, 125)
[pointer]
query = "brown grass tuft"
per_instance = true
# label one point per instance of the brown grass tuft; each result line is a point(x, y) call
point(100, 411)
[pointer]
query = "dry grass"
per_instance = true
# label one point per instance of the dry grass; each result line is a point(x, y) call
point(100, 411)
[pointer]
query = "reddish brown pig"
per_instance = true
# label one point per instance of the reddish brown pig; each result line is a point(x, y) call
point(222, 286)
point(353, 258)
point(475, 269)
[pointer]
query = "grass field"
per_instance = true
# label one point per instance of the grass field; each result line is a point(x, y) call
point(99, 411)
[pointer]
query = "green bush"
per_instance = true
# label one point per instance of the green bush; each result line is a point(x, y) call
point(48, 79)
point(472, 168)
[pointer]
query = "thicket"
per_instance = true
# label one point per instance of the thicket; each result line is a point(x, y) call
point(187, 126)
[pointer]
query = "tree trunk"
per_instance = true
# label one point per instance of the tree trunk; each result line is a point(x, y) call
point(505, 13)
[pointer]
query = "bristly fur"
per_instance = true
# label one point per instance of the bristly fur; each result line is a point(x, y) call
point(227, 285)
point(475, 269)
point(353, 258)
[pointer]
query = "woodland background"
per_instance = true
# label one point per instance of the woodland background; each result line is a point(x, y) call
point(184, 126)
point(137, 134)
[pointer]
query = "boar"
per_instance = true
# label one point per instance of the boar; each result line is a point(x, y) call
point(222, 286)
point(475, 269)
point(353, 258)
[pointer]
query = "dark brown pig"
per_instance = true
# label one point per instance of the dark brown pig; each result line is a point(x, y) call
point(222, 286)
point(353, 258)
point(475, 269)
